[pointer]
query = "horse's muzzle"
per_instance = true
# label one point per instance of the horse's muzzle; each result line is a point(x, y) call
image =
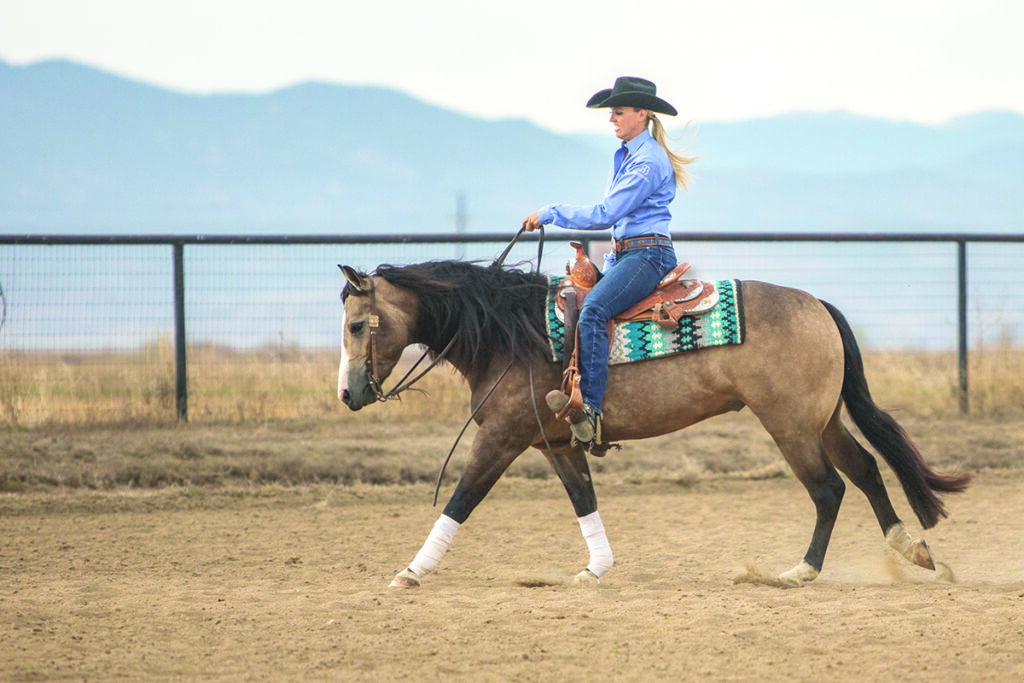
point(348, 399)
point(357, 397)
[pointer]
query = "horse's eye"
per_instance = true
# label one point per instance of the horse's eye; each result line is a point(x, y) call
point(356, 326)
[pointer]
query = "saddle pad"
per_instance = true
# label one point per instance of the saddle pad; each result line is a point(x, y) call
point(640, 340)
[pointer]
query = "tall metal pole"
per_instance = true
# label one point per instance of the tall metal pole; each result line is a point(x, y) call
point(961, 257)
point(180, 365)
point(461, 223)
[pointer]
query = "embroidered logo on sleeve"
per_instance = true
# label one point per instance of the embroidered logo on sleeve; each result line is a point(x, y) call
point(642, 170)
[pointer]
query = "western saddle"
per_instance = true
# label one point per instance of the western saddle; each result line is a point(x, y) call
point(671, 300)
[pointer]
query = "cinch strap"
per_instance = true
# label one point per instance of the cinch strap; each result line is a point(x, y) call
point(646, 241)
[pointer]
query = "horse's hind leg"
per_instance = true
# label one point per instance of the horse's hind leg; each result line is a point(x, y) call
point(860, 466)
point(570, 464)
point(806, 457)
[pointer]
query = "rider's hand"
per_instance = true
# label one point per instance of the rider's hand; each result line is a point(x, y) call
point(532, 222)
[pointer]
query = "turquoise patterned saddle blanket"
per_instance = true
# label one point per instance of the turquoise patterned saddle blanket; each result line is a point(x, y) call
point(640, 340)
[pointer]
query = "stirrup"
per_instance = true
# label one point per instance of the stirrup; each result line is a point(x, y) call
point(582, 420)
point(566, 407)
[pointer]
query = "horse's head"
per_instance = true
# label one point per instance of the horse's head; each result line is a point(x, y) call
point(376, 327)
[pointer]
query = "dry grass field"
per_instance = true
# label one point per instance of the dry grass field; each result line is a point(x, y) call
point(257, 541)
point(107, 421)
point(227, 386)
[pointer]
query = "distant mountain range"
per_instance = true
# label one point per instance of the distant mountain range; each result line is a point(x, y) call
point(88, 152)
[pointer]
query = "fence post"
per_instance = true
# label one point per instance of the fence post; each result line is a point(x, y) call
point(961, 259)
point(180, 365)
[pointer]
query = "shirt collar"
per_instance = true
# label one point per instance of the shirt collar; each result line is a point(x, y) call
point(636, 143)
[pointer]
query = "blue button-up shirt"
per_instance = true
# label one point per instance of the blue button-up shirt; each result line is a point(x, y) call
point(640, 188)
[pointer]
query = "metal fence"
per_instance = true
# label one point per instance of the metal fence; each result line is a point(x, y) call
point(175, 302)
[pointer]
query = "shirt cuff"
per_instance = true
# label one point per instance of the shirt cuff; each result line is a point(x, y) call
point(546, 214)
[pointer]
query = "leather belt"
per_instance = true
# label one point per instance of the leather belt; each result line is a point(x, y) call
point(643, 241)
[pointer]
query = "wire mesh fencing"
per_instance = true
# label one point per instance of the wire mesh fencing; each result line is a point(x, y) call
point(87, 327)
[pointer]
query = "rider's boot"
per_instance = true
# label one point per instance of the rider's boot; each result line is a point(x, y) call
point(583, 425)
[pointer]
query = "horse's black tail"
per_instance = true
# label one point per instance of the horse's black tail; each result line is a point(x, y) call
point(919, 481)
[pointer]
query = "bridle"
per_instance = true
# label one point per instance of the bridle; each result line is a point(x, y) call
point(373, 376)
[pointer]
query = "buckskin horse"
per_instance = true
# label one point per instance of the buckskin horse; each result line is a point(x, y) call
point(796, 367)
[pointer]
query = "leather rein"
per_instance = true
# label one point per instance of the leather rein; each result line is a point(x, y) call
point(403, 385)
point(373, 376)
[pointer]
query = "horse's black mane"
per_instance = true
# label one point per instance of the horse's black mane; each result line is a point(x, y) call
point(494, 311)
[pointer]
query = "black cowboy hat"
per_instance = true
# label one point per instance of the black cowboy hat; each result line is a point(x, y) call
point(630, 91)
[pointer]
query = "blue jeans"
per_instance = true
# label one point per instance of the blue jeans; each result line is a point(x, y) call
point(635, 274)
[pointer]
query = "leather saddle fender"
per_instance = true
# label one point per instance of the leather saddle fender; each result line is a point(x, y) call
point(670, 300)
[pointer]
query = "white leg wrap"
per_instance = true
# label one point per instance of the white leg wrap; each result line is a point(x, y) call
point(597, 542)
point(435, 547)
point(914, 549)
point(799, 574)
point(899, 539)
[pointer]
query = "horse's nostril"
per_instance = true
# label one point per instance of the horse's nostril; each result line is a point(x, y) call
point(345, 396)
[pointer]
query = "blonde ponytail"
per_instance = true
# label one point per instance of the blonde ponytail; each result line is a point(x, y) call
point(679, 162)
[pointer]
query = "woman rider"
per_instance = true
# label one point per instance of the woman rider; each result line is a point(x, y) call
point(644, 176)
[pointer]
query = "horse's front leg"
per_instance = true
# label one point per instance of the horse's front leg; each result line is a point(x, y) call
point(570, 464)
point(490, 456)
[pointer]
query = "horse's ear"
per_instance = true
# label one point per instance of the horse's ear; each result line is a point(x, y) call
point(356, 279)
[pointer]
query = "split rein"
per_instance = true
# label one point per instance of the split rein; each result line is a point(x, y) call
point(405, 383)
point(497, 264)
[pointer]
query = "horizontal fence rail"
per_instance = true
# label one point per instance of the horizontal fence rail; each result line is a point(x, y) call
point(212, 295)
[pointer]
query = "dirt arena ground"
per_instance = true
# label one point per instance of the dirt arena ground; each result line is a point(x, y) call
point(291, 583)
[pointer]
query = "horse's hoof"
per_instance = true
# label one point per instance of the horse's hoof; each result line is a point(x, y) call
point(586, 578)
point(914, 549)
point(405, 579)
point(922, 556)
point(798, 575)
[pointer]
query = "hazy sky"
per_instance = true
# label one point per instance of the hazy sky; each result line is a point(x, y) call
point(715, 60)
